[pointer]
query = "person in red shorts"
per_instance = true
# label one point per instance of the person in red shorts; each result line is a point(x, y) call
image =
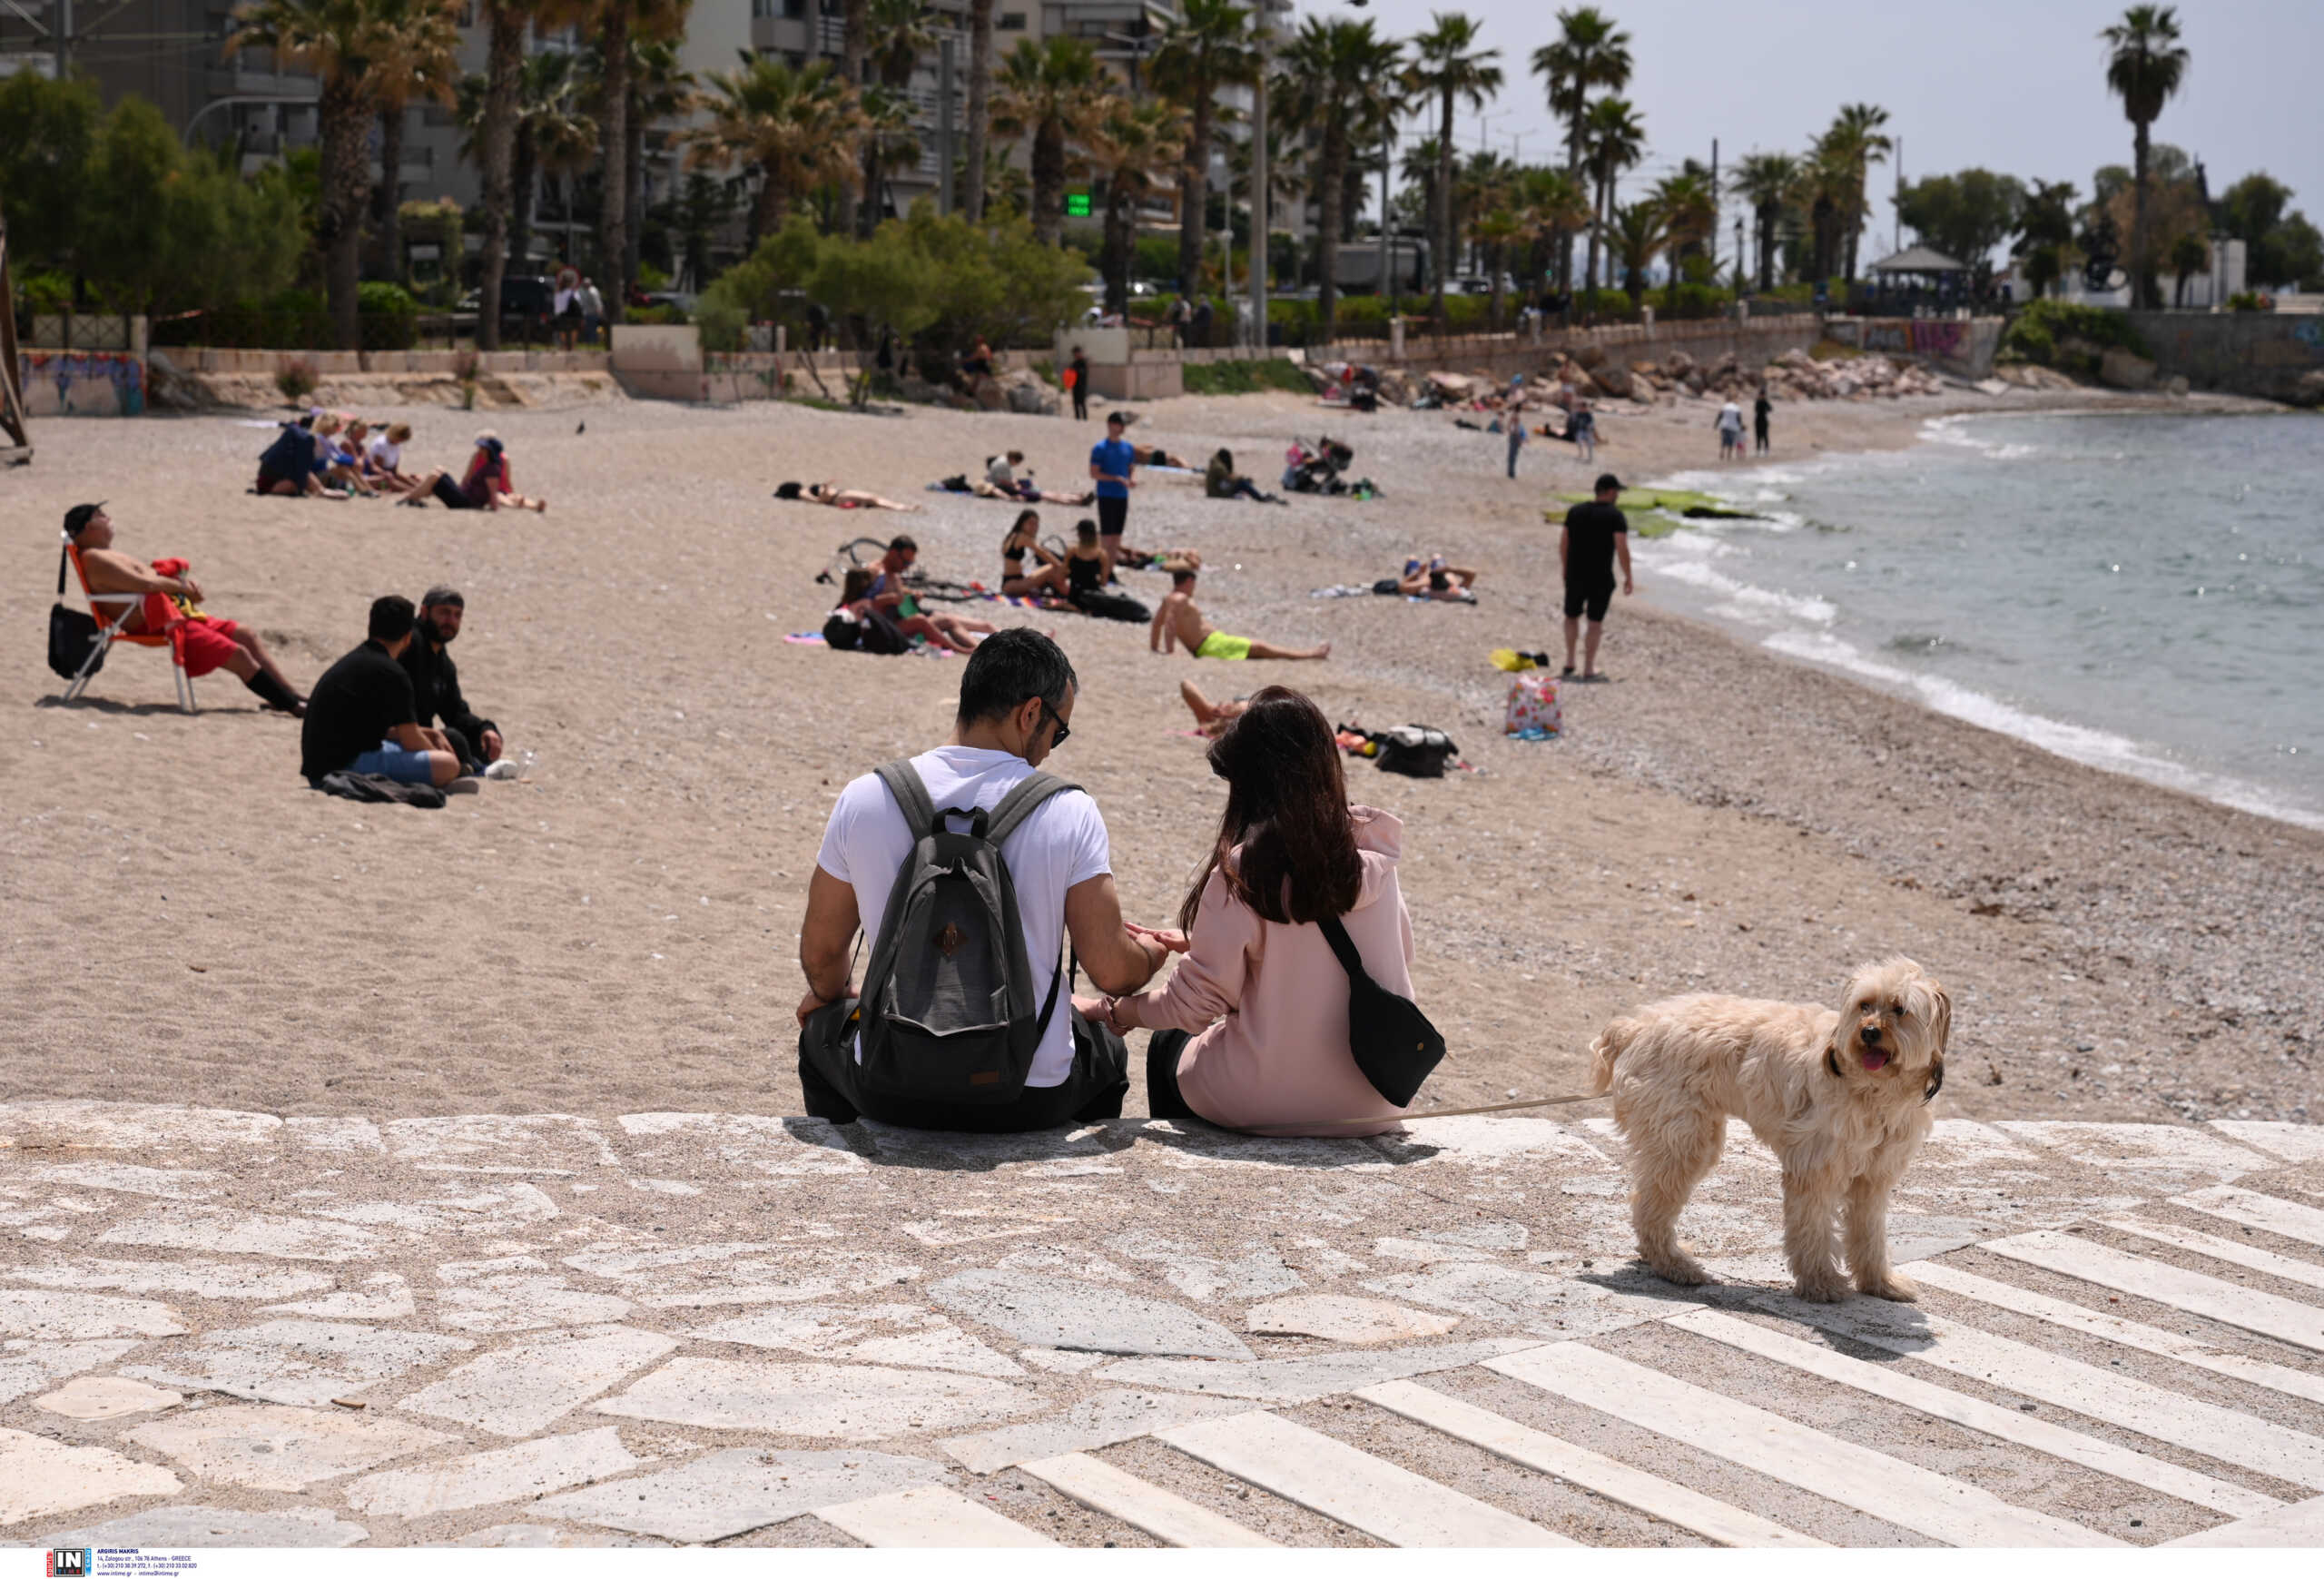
point(211, 644)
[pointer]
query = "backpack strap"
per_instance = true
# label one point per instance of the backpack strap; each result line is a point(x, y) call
point(1019, 802)
point(1343, 946)
point(903, 782)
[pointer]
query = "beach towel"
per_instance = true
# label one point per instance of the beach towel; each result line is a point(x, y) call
point(1345, 591)
point(806, 638)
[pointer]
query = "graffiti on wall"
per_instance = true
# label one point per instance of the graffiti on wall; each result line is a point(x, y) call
point(2309, 332)
point(1934, 336)
point(88, 383)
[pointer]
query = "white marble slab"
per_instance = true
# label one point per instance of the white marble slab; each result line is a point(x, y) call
point(272, 1447)
point(848, 1403)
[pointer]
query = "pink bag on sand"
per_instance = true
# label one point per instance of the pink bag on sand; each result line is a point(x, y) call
point(1533, 704)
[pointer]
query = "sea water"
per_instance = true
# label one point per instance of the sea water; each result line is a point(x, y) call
point(2142, 593)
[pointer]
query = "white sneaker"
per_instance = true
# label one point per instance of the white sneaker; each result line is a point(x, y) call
point(463, 786)
point(504, 768)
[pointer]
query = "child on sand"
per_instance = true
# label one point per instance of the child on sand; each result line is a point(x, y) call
point(1180, 621)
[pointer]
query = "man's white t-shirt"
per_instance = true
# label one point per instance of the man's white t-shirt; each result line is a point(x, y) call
point(1061, 844)
point(389, 456)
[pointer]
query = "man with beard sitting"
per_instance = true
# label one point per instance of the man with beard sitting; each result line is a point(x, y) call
point(436, 681)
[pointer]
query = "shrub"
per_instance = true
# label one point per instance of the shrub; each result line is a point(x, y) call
point(44, 292)
point(1241, 377)
point(390, 317)
point(660, 313)
point(2039, 333)
point(2247, 301)
point(297, 378)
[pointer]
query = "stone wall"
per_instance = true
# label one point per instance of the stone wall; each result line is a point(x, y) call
point(2267, 354)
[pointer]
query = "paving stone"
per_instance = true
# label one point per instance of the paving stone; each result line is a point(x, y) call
point(529, 1469)
point(245, 1233)
point(1343, 1319)
point(297, 1361)
point(2291, 1142)
point(385, 1298)
point(1536, 1302)
point(1209, 1149)
point(522, 1388)
point(514, 1302)
point(274, 1447)
point(1064, 1362)
point(39, 1477)
point(1059, 1314)
point(27, 1367)
point(196, 1527)
point(44, 1313)
point(1257, 1273)
point(979, 1153)
point(507, 1206)
point(333, 1137)
point(1293, 1381)
point(831, 1332)
point(555, 1536)
point(2172, 1151)
point(746, 1144)
point(1114, 1415)
point(106, 1399)
point(740, 1490)
point(556, 1144)
point(203, 1279)
point(27, 1127)
point(131, 1178)
point(1481, 1140)
point(703, 1276)
point(850, 1403)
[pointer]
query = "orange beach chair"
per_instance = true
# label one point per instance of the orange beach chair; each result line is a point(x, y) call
point(109, 609)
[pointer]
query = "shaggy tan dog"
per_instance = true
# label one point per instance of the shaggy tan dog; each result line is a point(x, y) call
point(1840, 1098)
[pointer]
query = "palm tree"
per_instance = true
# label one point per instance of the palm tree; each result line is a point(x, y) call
point(2145, 65)
point(616, 23)
point(1049, 90)
point(1766, 182)
point(980, 103)
point(1335, 82)
point(344, 44)
point(854, 44)
point(1286, 181)
point(418, 60)
point(796, 128)
point(1483, 184)
point(1589, 52)
point(1690, 215)
point(1826, 187)
point(1617, 139)
point(1555, 204)
point(1210, 46)
point(505, 22)
point(556, 138)
point(899, 32)
point(1852, 144)
point(1447, 64)
point(1634, 234)
point(1132, 144)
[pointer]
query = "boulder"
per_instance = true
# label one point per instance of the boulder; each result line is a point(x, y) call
point(992, 396)
point(1591, 357)
point(1679, 364)
point(1453, 386)
point(1031, 400)
point(1614, 378)
point(2310, 390)
point(2123, 369)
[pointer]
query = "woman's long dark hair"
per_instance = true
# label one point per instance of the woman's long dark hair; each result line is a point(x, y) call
point(1286, 806)
point(1025, 518)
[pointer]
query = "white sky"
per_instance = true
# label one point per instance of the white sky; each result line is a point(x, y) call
point(2017, 86)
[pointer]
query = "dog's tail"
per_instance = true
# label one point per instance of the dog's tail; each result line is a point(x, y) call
point(1603, 1051)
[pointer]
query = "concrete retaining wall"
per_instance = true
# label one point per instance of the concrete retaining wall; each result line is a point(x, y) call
point(1964, 347)
point(196, 358)
point(2265, 354)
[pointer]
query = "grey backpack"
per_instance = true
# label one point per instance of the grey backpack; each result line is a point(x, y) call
point(949, 1007)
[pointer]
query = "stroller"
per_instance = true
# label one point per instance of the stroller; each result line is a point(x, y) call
point(1322, 469)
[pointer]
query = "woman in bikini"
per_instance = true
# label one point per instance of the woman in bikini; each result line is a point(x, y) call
point(1085, 564)
point(838, 497)
point(1048, 573)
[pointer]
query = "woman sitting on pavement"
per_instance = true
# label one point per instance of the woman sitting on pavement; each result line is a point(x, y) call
point(1048, 576)
point(1259, 989)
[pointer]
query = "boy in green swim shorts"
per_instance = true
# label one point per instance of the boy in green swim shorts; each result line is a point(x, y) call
point(1179, 622)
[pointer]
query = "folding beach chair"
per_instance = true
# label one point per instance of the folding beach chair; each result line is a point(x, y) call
point(109, 609)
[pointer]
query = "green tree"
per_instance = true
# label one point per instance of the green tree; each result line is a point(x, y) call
point(419, 61)
point(1847, 150)
point(978, 160)
point(1766, 182)
point(490, 112)
point(48, 130)
point(795, 128)
point(1965, 215)
point(2045, 232)
point(1689, 215)
point(2191, 255)
point(1635, 234)
point(1448, 66)
point(1590, 53)
point(1617, 141)
point(1210, 46)
point(1132, 144)
point(1049, 91)
point(615, 24)
point(1336, 76)
point(2145, 66)
point(900, 31)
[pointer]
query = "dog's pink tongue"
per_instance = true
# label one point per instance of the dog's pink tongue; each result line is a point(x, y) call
point(1871, 1060)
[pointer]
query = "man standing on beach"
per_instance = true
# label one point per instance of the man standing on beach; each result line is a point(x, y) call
point(1512, 419)
point(1761, 409)
point(1596, 535)
point(1729, 423)
point(1112, 460)
point(1080, 368)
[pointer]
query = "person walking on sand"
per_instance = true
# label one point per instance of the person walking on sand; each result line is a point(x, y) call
point(1079, 369)
point(1729, 423)
point(1513, 421)
point(1178, 621)
point(1761, 409)
point(1581, 427)
point(1113, 463)
point(1596, 535)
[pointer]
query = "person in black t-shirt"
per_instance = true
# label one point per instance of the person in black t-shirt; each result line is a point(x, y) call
point(1596, 535)
point(361, 717)
point(436, 679)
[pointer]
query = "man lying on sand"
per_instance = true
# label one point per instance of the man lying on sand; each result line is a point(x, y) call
point(1436, 579)
point(1211, 718)
point(1178, 620)
point(838, 497)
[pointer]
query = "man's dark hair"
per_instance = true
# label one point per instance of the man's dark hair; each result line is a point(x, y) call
point(899, 543)
point(442, 597)
point(391, 617)
point(1010, 668)
point(1181, 578)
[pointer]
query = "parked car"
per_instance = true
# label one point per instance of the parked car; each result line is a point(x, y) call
point(527, 308)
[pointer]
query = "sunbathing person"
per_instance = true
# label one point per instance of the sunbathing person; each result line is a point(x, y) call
point(1178, 621)
point(1048, 575)
point(169, 602)
point(838, 497)
point(910, 623)
point(1436, 579)
point(488, 485)
point(287, 467)
point(1211, 718)
point(1155, 455)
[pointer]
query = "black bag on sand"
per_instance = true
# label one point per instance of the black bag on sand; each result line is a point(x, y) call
point(1113, 606)
point(71, 634)
point(840, 633)
point(949, 1006)
point(1387, 587)
point(1394, 1044)
point(879, 635)
point(378, 787)
point(1415, 750)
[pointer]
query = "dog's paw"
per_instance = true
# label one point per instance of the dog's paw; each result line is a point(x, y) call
point(1890, 1286)
point(1685, 1271)
point(1824, 1288)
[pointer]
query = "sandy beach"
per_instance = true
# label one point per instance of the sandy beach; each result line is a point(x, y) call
point(187, 922)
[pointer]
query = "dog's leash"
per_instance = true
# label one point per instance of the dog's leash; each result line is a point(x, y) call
point(1507, 1107)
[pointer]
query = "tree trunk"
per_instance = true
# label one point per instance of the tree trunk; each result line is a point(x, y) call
point(524, 185)
point(854, 39)
point(1118, 249)
point(1767, 253)
point(875, 159)
point(766, 212)
point(2141, 290)
point(1493, 261)
point(1440, 216)
point(613, 162)
point(504, 63)
point(387, 198)
point(1559, 237)
point(634, 188)
point(338, 222)
point(1049, 182)
point(1194, 195)
point(1327, 239)
point(1597, 229)
point(979, 104)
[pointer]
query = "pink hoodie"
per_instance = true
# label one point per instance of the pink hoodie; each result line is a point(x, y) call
point(1275, 1061)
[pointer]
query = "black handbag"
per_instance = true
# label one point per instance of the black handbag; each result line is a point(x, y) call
point(1394, 1043)
point(71, 634)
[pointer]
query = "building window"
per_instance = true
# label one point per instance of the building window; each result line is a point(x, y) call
point(1010, 21)
point(794, 9)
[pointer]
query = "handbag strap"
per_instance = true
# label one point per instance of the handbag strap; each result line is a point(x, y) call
point(1343, 946)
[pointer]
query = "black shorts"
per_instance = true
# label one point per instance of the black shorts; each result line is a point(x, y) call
point(1113, 514)
point(1589, 597)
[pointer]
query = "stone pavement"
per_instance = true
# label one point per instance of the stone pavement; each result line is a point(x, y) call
point(226, 1328)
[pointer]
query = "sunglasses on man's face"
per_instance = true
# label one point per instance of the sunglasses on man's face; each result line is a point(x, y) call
point(1051, 715)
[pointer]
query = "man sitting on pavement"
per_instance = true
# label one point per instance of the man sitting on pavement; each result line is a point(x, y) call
point(436, 680)
point(361, 718)
point(1016, 707)
point(211, 644)
point(1178, 621)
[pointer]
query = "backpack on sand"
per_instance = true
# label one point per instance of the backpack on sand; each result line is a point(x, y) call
point(950, 1012)
point(1415, 750)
